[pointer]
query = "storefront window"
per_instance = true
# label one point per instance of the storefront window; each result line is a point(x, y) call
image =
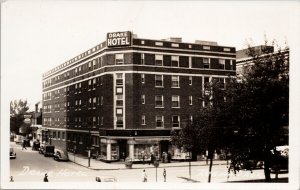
point(114, 151)
point(103, 152)
point(178, 153)
point(145, 150)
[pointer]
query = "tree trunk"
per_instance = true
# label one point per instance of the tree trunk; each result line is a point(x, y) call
point(210, 166)
point(267, 166)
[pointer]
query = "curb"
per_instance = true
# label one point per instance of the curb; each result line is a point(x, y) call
point(170, 166)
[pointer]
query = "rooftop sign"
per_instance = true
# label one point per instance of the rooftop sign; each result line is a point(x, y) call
point(115, 39)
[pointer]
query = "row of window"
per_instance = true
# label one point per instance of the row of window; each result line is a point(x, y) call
point(159, 121)
point(159, 82)
point(119, 59)
point(93, 102)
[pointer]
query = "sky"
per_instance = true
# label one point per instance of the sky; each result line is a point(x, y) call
point(38, 35)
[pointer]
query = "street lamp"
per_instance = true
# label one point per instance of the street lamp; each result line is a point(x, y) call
point(156, 164)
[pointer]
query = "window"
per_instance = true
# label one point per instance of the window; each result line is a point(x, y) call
point(159, 121)
point(159, 101)
point(191, 118)
point(102, 120)
point(63, 135)
point(220, 81)
point(175, 102)
point(158, 43)
point(119, 80)
point(119, 59)
point(175, 121)
point(119, 111)
point(143, 78)
point(101, 80)
point(174, 45)
point(206, 63)
point(119, 101)
point(175, 61)
point(142, 59)
point(143, 120)
point(175, 81)
point(143, 98)
point(119, 90)
point(226, 49)
point(206, 47)
point(58, 135)
point(54, 134)
point(190, 80)
point(158, 80)
point(101, 100)
point(190, 100)
point(221, 63)
point(231, 65)
point(142, 42)
point(119, 122)
point(158, 60)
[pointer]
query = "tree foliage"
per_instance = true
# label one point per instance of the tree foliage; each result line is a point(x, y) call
point(261, 101)
point(18, 108)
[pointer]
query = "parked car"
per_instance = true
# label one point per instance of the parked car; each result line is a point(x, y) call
point(49, 150)
point(12, 154)
point(280, 159)
point(106, 179)
point(36, 145)
point(60, 156)
point(252, 164)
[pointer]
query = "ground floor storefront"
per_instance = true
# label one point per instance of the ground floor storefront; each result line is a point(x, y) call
point(139, 146)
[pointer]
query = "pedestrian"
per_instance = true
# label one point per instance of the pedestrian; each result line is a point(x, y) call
point(24, 145)
point(165, 175)
point(169, 157)
point(144, 176)
point(11, 179)
point(46, 178)
point(152, 159)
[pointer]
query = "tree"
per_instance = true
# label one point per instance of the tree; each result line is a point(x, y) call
point(206, 132)
point(261, 100)
point(18, 108)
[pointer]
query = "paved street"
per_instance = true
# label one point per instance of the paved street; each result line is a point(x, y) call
point(31, 166)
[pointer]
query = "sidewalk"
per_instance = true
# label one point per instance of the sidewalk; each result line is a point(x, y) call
point(99, 165)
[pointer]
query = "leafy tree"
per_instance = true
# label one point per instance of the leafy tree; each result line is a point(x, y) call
point(18, 108)
point(261, 101)
point(206, 132)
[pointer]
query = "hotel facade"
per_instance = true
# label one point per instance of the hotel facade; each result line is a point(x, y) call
point(123, 97)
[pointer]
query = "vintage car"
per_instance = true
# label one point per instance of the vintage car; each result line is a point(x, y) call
point(106, 179)
point(35, 145)
point(12, 154)
point(47, 150)
point(60, 156)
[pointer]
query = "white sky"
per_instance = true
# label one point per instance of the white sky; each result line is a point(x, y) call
point(39, 35)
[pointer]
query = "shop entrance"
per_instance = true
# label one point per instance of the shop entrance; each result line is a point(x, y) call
point(164, 146)
point(123, 148)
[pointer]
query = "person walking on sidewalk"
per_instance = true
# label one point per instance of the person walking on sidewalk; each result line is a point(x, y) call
point(144, 176)
point(46, 178)
point(24, 145)
point(165, 175)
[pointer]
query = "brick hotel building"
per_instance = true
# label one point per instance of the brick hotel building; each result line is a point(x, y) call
point(124, 97)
